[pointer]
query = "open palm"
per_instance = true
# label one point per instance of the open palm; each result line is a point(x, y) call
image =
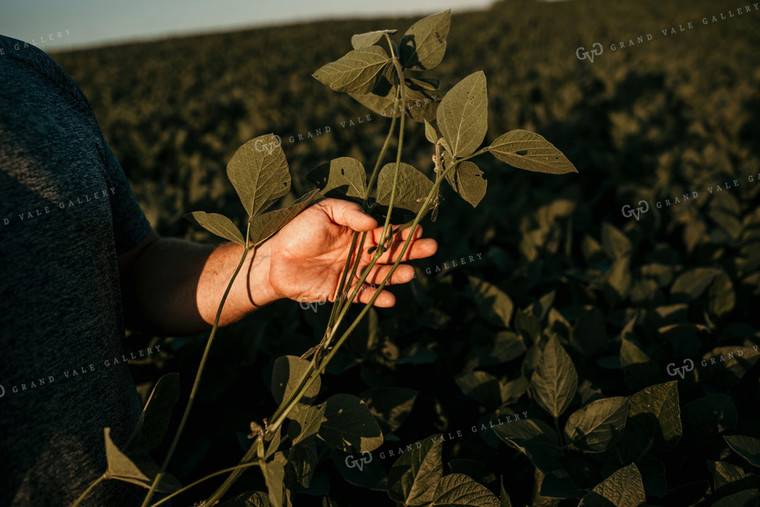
point(309, 253)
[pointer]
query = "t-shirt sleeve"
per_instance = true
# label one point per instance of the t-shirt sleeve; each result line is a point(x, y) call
point(130, 225)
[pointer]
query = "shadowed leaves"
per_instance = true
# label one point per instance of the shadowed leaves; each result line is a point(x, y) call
point(598, 425)
point(218, 225)
point(349, 425)
point(413, 187)
point(424, 43)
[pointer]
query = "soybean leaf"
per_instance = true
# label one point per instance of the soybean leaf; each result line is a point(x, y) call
point(598, 425)
point(638, 368)
point(503, 347)
point(413, 187)
point(504, 499)
point(349, 425)
point(303, 458)
point(463, 114)
point(155, 416)
point(535, 439)
point(468, 182)
point(615, 243)
point(424, 43)
point(425, 83)
point(725, 473)
point(722, 295)
point(746, 498)
point(657, 412)
point(306, 422)
point(691, 284)
point(137, 469)
point(367, 39)
point(355, 71)
point(481, 387)
point(267, 225)
point(456, 490)
point(218, 225)
point(413, 478)
point(624, 488)
point(259, 172)
point(554, 381)
point(529, 151)
point(493, 304)
point(249, 499)
point(274, 476)
point(422, 104)
point(341, 177)
point(286, 373)
point(430, 133)
point(746, 447)
point(390, 405)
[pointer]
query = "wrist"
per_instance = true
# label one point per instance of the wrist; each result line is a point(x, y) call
point(260, 289)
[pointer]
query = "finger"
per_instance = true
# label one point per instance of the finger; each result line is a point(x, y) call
point(377, 233)
point(403, 274)
point(418, 249)
point(348, 214)
point(384, 300)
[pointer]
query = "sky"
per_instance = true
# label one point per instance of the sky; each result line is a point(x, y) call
point(96, 22)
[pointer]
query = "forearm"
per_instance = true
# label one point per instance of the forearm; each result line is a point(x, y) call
point(175, 286)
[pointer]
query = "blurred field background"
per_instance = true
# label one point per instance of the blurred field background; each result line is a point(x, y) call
point(676, 114)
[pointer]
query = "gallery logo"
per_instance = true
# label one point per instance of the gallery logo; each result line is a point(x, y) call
point(628, 212)
point(596, 50)
point(351, 462)
point(688, 365)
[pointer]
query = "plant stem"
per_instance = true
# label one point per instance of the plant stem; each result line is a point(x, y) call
point(87, 491)
point(203, 479)
point(199, 373)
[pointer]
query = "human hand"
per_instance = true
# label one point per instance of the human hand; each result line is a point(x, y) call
point(307, 256)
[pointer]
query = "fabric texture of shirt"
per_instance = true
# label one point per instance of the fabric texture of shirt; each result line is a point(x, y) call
point(66, 213)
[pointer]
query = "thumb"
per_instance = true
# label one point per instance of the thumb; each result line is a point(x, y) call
point(348, 214)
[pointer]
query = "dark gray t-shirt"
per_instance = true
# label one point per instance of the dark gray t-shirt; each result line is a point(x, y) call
point(66, 213)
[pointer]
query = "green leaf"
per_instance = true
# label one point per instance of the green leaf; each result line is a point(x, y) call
point(355, 71)
point(691, 284)
point(138, 469)
point(598, 425)
point(155, 416)
point(722, 295)
point(303, 458)
point(638, 368)
point(657, 412)
point(267, 225)
point(615, 243)
point(463, 114)
point(469, 183)
point(746, 498)
point(529, 151)
point(624, 488)
point(430, 133)
point(503, 347)
point(341, 177)
point(249, 499)
point(218, 225)
point(349, 425)
point(746, 447)
point(414, 476)
point(456, 490)
point(424, 44)
point(390, 405)
point(367, 39)
point(286, 373)
point(274, 476)
point(493, 304)
point(259, 172)
point(535, 439)
point(306, 423)
point(554, 381)
point(481, 387)
point(725, 473)
point(413, 187)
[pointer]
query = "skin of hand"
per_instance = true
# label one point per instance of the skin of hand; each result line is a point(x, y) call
point(172, 286)
point(308, 255)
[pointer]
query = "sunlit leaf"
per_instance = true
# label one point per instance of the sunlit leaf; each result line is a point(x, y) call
point(414, 476)
point(217, 224)
point(463, 114)
point(306, 422)
point(286, 373)
point(468, 182)
point(137, 469)
point(554, 381)
point(456, 490)
point(259, 172)
point(355, 71)
point(424, 43)
point(624, 488)
point(535, 439)
point(656, 411)
point(412, 189)
point(274, 476)
point(529, 151)
point(344, 176)
point(691, 284)
point(746, 447)
point(598, 425)
point(493, 304)
point(367, 39)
